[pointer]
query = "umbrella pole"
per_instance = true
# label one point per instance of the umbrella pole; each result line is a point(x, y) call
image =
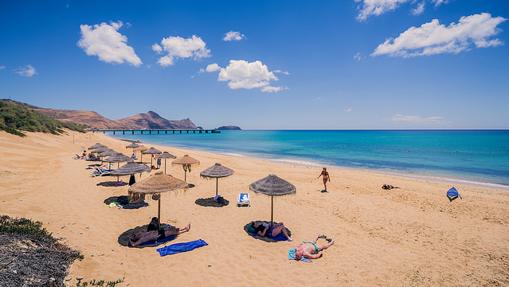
point(216, 185)
point(164, 166)
point(159, 211)
point(271, 210)
point(185, 175)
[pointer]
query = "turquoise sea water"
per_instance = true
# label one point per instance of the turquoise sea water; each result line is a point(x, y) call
point(481, 156)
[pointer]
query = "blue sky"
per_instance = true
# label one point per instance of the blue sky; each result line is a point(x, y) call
point(290, 65)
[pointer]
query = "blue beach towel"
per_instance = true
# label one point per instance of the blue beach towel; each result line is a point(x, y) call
point(181, 247)
point(452, 194)
point(291, 255)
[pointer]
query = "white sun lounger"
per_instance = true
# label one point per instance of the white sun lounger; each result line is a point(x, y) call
point(243, 199)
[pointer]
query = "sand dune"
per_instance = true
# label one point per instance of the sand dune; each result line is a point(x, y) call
point(410, 236)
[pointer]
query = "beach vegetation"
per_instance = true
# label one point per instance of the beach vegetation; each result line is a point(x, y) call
point(16, 118)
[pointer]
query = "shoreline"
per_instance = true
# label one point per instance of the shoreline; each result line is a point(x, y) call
point(318, 164)
point(399, 237)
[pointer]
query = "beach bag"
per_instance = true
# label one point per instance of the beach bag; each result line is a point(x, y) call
point(452, 194)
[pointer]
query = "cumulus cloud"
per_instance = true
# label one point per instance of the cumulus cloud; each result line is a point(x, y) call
point(26, 71)
point(233, 36)
point(475, 31)
point(419, 9)
point(104, 41)
point(212, 68)
point(376, 7)
point(240, 74)
point(418, 120)
point(357, 57)
point(286, 73)
point(439, 2)
point(177, 47)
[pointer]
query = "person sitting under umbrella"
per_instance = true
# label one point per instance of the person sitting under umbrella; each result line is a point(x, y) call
point(310, 249)
point(155, 233)
point(266, 230)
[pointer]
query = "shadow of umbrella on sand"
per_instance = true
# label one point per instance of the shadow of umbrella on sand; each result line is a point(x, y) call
point(272, 185)
point(217, 171)
point(186, 162)
point(157, 184)
point(165, 155)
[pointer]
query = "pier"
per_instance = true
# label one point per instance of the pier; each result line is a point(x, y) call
point(156, 131)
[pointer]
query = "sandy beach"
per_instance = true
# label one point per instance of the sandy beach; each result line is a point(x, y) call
point(411, 236)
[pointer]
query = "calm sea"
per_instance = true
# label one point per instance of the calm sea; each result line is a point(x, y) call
point(481, 156)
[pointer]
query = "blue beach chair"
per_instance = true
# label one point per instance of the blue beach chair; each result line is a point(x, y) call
point(452, 194)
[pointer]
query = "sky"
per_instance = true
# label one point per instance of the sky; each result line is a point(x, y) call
point(339, 64)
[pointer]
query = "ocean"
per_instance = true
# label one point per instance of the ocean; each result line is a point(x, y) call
point(477, 156)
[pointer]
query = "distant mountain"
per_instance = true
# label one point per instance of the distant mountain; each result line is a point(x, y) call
point(152, 120)
point(91, 119)
point(88, 118)
point(229, 128)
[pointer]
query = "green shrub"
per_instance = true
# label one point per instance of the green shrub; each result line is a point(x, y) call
point(17, 117)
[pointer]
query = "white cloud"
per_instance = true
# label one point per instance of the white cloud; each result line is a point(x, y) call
point(178, 47)
point(286, 73)
point(157, 48)
point(26, 71)
point(104, 41)
point(419, 9)
point(233, 36)
point(357, 57)
point(212, 68)
point(418, 120)
point(434, 38)
point(376, 7)
point(242, 74)
point(439, 2)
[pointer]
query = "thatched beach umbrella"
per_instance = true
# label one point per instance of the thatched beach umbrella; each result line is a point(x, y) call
point(165, 155)
point(131, 168)
point(118, 158)
point(96, 146)
point(217, 171)
point(157, 184)
point(132, 145)
point(141, 149)
point(272, 185)
point(186, 162)
point(152, 151)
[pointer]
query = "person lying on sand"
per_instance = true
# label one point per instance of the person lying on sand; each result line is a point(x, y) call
point(265, 229)
point(312, 249)
point(147, 236)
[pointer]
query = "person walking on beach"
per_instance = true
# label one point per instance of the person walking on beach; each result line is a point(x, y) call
point(158, 163)
point(325, 177)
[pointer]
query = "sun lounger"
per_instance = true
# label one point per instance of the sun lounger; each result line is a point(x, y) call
point(243, 199)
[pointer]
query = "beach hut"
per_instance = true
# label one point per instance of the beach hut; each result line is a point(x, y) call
point(165, 155)
point(152, 151)
point(157, 184)
point(186, 162)
point(216, 171)
point(272, 185)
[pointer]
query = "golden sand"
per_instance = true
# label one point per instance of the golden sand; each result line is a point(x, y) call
point(411, 236)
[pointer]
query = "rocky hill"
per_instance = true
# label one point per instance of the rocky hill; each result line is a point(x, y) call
point(152, 120)
point(229, 128)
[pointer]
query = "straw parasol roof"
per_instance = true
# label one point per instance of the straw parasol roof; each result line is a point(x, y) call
point(97, 145)
point(107, 152)
point(158, 183)
point(140, 148)
point(217, 171)
point(186, 160)
point(117, 158)
point(130, 168)
point(273, 185)
point(151, 150)
point(132, 145)
point(165, 155)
